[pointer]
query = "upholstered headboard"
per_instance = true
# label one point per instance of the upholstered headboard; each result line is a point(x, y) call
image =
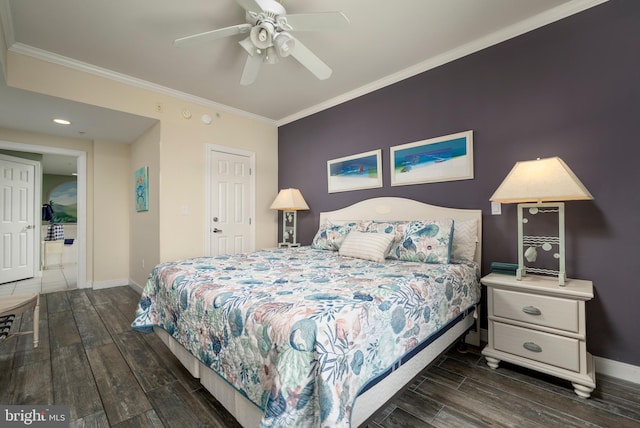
point(401, 209)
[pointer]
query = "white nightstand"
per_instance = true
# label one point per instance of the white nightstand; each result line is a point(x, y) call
point(538, 324)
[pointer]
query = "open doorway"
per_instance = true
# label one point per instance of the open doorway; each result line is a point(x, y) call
point(59, 223)
point(66, 264)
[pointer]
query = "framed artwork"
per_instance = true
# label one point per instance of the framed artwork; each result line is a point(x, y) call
point(445, 158)
point(142, 188)
point(64, 200)
point(361, 171)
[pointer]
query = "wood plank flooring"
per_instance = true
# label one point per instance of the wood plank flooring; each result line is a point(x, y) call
point(110, 376)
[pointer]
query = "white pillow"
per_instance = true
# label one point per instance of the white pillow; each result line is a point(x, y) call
point(367, 246)
point(464, 240)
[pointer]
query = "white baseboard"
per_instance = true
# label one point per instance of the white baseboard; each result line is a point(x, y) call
point(115, 283)
point(136, 287)
point(604, 366)
point(87, 284)
point(617, 369)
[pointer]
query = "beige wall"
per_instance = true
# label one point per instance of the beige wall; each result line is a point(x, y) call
point(177, 148)
point(112, 185)
point(145, 225)
point(182, 174)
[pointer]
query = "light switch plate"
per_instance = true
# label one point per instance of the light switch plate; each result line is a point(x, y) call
point(496, 208)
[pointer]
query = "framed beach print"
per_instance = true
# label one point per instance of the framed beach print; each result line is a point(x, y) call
point(445, 158)
point(142, 188)
point(361, 171)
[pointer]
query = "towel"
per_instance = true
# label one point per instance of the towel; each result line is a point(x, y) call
point(504, 268)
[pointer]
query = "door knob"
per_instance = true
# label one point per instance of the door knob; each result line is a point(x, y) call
point(216, 230)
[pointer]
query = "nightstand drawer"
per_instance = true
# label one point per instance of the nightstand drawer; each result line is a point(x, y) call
point(535, 345)
point(546, 311)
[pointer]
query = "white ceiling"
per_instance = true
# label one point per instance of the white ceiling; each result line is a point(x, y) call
point(20, 109)
point(33, 112)
point(386, 41)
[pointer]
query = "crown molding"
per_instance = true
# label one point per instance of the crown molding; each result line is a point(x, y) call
point(64, 61)
point(530, 24)
point(6, 23)
point(6, 36)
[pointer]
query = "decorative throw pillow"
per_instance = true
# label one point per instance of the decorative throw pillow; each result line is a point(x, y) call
point(367, 246)
point(330, 236)
point(427, 241)
point(465, 240)
point(395, 228)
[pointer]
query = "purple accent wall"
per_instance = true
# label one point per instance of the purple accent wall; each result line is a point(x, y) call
point(569, 89)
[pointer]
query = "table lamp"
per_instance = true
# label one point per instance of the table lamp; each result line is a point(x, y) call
point(537, 186)
point(289, 201)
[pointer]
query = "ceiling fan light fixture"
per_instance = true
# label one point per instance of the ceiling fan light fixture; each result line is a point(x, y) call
point(269, 38)
point(262, 35)
point(248, 46)
point(284, 43)
point(271, 57)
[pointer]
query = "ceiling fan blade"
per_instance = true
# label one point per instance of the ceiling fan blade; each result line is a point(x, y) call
point(311, 61)
point(317, 21)
point(212, 35)
point(251, 69)
point(252, 5)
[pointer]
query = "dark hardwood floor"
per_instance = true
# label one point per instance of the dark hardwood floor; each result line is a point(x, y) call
point(90, 359)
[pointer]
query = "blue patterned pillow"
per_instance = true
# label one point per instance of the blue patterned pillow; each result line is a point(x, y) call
point(395, 227)
point(330, 236)
point(425, 241)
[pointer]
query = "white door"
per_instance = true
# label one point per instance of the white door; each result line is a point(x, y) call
point(17, 225)
point(230, 225)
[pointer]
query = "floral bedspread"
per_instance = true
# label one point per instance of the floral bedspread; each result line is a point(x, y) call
point(301, 331)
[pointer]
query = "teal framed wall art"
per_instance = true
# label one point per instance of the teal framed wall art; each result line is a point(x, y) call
point(446, 158)
point(142, 189)
point(361, 171)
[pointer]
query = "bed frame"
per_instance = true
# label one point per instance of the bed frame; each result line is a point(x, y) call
point(382, 209)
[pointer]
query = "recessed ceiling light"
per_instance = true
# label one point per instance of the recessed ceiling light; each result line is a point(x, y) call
point(62, 121)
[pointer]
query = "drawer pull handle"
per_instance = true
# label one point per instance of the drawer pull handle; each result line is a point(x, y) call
point(530, 346)
point(531, 310)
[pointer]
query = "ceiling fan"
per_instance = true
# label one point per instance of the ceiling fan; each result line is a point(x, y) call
point(270, 38)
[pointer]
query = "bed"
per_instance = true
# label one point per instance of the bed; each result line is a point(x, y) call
point(323, 335)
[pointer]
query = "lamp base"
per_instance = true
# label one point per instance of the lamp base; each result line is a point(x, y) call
point(522, 272)
point(288, 244)
point(528, 244)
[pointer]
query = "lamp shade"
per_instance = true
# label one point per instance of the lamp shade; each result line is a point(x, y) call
point(289, 200)
point(540, 180)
